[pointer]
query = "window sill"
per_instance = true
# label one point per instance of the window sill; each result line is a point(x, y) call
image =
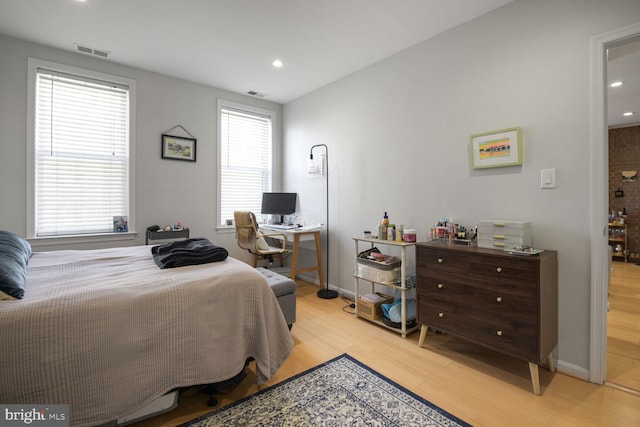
point(226, 229)
point(85, 238)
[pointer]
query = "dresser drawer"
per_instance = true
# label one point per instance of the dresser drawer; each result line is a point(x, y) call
point(520, 287)
point(492, 273)
point(503, 270)
point(432, 259)
point(479, 303)
point(509, 335)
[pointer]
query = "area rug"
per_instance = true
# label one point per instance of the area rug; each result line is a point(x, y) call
point(340, 392)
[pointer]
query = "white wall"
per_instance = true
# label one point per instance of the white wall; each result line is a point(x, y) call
point(398, 135)
point(166, 190)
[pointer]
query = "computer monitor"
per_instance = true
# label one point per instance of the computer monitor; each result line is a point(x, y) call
point(279, 204)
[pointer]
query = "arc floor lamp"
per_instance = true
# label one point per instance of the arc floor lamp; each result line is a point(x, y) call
point(325, 293)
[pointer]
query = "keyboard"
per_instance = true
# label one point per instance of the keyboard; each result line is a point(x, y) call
point(281, 226)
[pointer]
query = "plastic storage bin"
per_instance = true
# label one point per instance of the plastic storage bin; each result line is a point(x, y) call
point(499, 234)
point(385, 271)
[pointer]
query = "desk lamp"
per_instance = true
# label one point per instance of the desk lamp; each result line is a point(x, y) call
point(324, 293)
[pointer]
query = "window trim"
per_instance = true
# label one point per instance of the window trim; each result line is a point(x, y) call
point(275, 153)
point(32, 68)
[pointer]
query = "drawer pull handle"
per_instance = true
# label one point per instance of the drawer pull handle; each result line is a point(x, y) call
point(440, 286)
point(499, 245)
point(440, 260)
point(499, 236)
point(499, 333)
point(499, 299)
point(499, 269)
point(441, 314)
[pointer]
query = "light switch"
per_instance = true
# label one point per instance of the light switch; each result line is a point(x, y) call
point(548, 178)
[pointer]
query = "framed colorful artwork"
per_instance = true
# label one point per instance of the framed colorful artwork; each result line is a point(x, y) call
point(496, 149)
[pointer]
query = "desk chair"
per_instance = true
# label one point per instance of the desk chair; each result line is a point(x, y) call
point(249, 237)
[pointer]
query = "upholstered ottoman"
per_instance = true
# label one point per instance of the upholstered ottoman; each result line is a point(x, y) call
point(285, 290)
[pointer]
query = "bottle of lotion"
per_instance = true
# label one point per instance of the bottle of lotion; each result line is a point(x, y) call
point(385, 225)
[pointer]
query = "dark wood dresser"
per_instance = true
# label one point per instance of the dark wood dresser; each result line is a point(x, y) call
point(506, 302)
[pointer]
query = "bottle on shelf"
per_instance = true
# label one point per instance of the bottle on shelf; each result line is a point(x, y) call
point(384, 224)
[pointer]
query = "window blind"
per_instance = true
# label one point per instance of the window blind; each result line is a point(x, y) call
point(245, 161)
point(81, 154)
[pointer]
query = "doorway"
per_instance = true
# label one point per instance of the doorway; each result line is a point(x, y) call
point(623, 317)
point(600, 256)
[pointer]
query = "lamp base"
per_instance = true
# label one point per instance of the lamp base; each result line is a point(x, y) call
point(327, 294)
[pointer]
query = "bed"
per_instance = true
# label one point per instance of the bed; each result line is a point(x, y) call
point(107, 331)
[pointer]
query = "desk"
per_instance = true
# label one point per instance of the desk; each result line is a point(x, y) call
point(298, 235)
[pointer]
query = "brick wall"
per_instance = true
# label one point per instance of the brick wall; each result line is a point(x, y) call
point(624, 155)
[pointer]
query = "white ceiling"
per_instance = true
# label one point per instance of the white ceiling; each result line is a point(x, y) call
point(230, 44)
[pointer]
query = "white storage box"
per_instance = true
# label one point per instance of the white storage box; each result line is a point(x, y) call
point(500, 234)
point(386, 270)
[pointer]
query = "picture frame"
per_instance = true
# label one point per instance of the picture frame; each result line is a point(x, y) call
point(497, 148)
point(120, 224)
point(178, 148)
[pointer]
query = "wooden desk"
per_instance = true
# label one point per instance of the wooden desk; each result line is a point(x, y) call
point(297, 236)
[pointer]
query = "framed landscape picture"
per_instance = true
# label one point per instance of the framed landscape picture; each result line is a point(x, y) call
point(178, 148)
point(496, 149)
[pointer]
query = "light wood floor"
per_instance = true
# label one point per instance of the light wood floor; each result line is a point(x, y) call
point(623, 326)
point(482, 387)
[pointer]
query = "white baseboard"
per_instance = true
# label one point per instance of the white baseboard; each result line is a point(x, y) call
point(573, 370)
point(313, 278)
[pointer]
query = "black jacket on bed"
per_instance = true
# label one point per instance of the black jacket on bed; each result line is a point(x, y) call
point(187, 252)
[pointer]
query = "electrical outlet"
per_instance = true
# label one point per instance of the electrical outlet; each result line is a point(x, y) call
point(548, 178)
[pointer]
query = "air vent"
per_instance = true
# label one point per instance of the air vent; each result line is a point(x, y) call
point(85, 49)
point(90, 51)
point(102, 53)
point(258, 94)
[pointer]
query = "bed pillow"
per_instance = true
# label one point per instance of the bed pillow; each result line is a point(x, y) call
point(14, 256)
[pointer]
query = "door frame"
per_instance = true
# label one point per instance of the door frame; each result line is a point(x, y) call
point(600, 198)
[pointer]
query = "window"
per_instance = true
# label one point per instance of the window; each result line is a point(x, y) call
point(81, 151)
point(245, 153)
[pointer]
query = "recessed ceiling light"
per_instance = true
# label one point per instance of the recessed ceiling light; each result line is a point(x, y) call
point(277, 63)
point(628, 113)
point(616, 84)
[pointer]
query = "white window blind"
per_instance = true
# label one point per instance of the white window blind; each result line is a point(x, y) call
point(245, 160)
point(81, 154)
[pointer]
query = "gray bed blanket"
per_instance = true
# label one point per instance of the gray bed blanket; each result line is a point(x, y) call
point(106, 331)
point(193, 251)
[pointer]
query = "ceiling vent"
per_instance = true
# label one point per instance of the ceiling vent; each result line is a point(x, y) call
point(94, 52)
point(257, 94)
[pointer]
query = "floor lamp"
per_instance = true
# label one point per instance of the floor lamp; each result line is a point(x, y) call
point(325, 293)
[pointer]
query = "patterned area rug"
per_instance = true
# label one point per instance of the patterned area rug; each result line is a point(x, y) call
point(340, 392)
